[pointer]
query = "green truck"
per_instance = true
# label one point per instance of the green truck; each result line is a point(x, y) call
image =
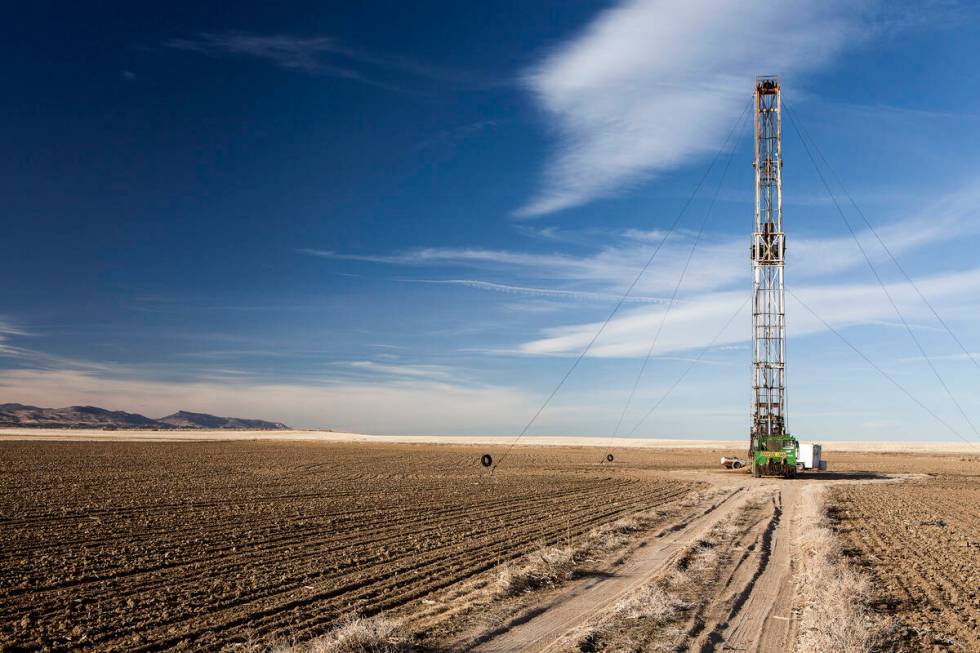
point(774, 455)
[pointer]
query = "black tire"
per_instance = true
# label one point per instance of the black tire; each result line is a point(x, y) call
point(609, 457)
point(486, 460)
point(737, 465)
point(800, 467)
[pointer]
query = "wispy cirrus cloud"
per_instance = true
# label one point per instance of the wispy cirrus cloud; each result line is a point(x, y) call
point(695, 322)
point(319, 54)
point(719, 261)
point(457, 134)
point(716, 281)
point(606, 271)
point(400, 370)
point(542, 292)
point(12, 352)
point(651, 84)
point(307, 54)
point(954, 215)
point(33, 358)
point(560, 264)
point(8, 328)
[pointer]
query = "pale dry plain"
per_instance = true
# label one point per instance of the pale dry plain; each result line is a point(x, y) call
point(156, 541)
point(307, 435)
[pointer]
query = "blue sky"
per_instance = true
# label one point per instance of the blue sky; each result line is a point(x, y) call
point(410, 217)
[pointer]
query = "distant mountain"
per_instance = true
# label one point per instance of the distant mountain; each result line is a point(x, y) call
point(92, 417)
point(185, 420)
point(73, 417)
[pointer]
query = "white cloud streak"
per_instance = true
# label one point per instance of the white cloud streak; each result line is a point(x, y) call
point(322, 55)
point(542, 292)
point(652, 84)
point(609, 270)
point(289, 52)
point(955, 215)
point(694, 323)
point(719, 262)
point(388, 369)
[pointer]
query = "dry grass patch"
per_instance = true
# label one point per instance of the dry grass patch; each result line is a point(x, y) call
point(554, 565)
point(615, 534)
point(836, 614)
point(699, 497)
point(356, 635)
point(704, 562)
point(544, 568)
point(644, 612)
point(652, 603)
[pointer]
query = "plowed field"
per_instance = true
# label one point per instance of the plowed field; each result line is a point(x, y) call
point(921, 543)
point(148, 546)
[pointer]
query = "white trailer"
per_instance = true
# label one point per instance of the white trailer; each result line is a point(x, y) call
point(809, 457)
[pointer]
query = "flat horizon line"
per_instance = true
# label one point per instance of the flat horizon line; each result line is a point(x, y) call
point(325, 435)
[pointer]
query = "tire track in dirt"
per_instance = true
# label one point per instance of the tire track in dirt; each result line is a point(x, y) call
point(550, 628)
point(735, 577)
point(746, 618)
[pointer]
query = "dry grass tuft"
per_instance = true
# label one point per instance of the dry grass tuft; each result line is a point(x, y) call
point(376, 635)
point(553, 565)
point(704, 561)
point(652, 603)
point(257, 645)
point(693, 499)
point(543, 568)
point(614, 534)
point(356, 635)
point(699, 497)
point(836, 616)
point(588, 639)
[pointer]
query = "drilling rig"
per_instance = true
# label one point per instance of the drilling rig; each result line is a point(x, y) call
point(772, 450)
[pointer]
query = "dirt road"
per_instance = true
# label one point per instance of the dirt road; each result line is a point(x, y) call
point(755, 613)
point(752, 612)
point(550, 628)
